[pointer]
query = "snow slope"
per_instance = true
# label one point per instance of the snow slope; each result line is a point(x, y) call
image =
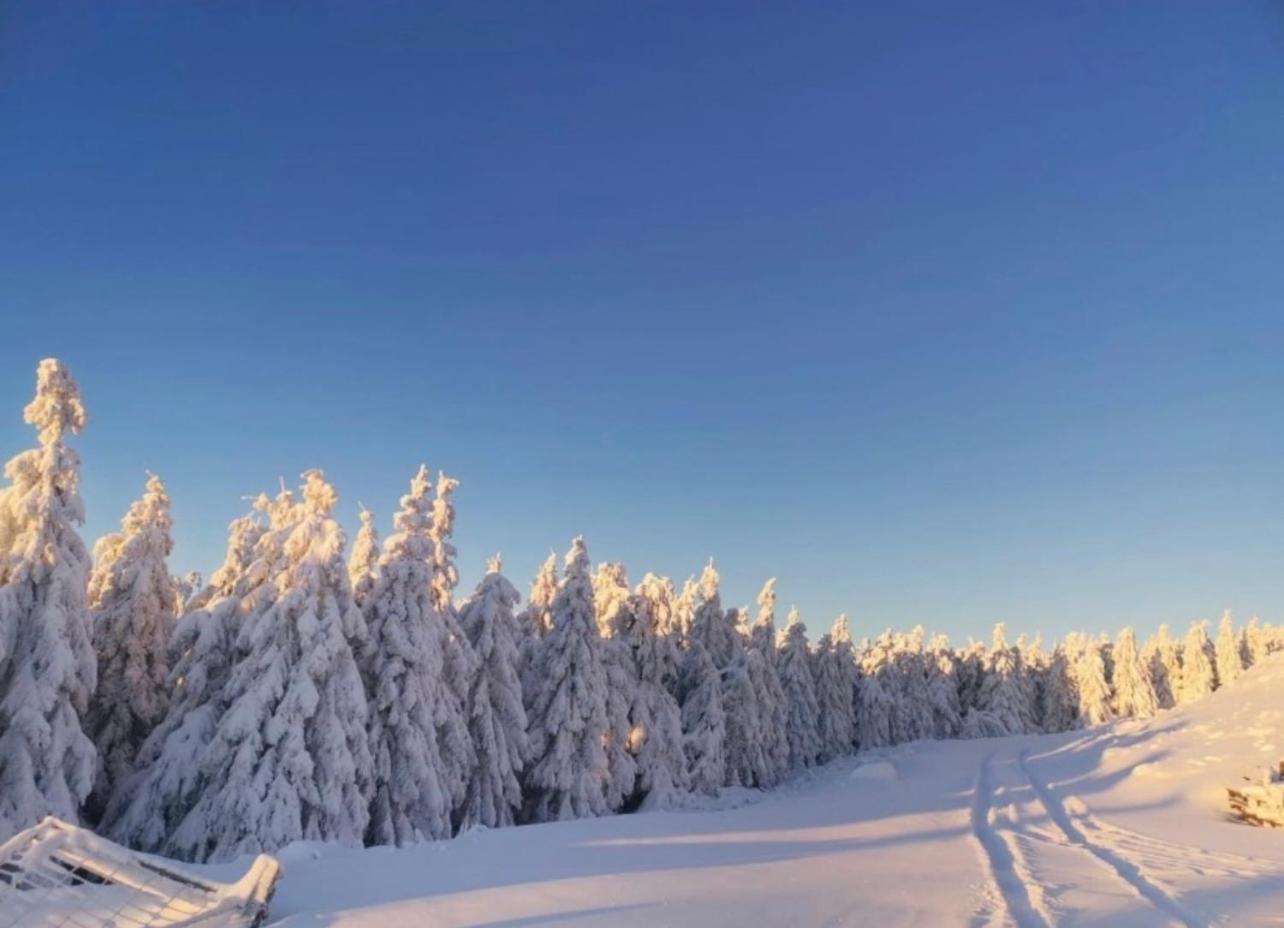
point(1121, 825)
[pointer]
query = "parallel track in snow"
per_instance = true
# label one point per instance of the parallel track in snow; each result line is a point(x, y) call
point(1123, 868)
point(1006, 850)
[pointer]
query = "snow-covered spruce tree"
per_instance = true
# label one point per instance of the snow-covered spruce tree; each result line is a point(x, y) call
point(290, 758)
point(1059, 708)
point(1230, 659)
point(567, 715)
point(703, 726)
point(906, 679)
point(47, 666)
point(1003, 703)
point(1163, 660)
point(764, 672)
point(1255, 642)
point(684, 606)
point(1134, 693)
point(537, 617)
point(614, 618)
point(363, 562)
point(970, 673)
point(1198, 665)
point(1090, 680)
point(716, 630)
point(800, 694)
point(133, 615)
point(148, 807)
point(942, 688)
point(1034, 672)
point(496, 715)
point(461, 663)
point(655, 738)
point(415, 720)
point(834, 670)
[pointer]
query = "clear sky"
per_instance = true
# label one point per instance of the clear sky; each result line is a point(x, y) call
point(939, 312)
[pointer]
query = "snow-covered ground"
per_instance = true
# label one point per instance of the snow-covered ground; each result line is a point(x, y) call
point(1121, 825)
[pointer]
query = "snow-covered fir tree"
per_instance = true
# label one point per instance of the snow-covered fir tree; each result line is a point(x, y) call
point(716, 630)
point(150, 805)
point(363, 562)
point(765, 675)
point(567, 715)
point(48, 668)
point(133, 616)
point(800, 694)
point(907, 681)
point(460, 662)
point(1163, 659)
point(1059, 700)
point(942, 688)
point(703, 726)
point(290, 759)
point(535, 621)
point(415, 719)
point(1198, 665)
point(614, 618)
point(496, 714)
point(655, 737)
point(834, 670)
point(1134, 692)
point(537, 617)
point(1003, 705)
point(1230, 659)
point(1090, 680)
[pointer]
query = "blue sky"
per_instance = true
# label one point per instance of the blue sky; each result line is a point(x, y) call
point(940, 315)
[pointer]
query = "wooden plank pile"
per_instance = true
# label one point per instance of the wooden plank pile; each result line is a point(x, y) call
point(1262, 801)
point(56, 875)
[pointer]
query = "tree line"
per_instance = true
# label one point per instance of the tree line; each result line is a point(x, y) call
point(311, 692)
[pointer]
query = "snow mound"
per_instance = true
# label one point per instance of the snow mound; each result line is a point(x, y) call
point(881, 770)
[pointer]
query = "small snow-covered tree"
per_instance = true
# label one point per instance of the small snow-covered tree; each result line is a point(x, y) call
point(567, 715)
point(942, 688)
point(289, 760)
point(47, 665)
point(1198, 665)
point(1163, 660)
point(1090, 681)
point(800, 694)
point(415, 719)
point(1134, 693)
point(535, 621)
point(1003, 704)
point(1230, 660)
point(614, 618)
point(703, 725)
point(1059, 708)
point(655, 737)
point(538, 614)
point(363, 562)
point(834, 670)
point(496, 715)
point(764, 672)
point(133, 617)
point(1255, 642)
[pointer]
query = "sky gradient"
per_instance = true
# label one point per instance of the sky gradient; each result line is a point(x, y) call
point(938, 315)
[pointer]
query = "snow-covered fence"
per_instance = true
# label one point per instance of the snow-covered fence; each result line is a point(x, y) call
point(1261, 802)
point(56, 875)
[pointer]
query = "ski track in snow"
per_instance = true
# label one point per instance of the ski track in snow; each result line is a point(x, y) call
point(1124, 868)
point(1013, 885)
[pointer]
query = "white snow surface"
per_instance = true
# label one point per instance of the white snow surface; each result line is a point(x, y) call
point(1121, 825)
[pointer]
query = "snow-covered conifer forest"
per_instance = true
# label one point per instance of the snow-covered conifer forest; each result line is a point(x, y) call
point(316, 690)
